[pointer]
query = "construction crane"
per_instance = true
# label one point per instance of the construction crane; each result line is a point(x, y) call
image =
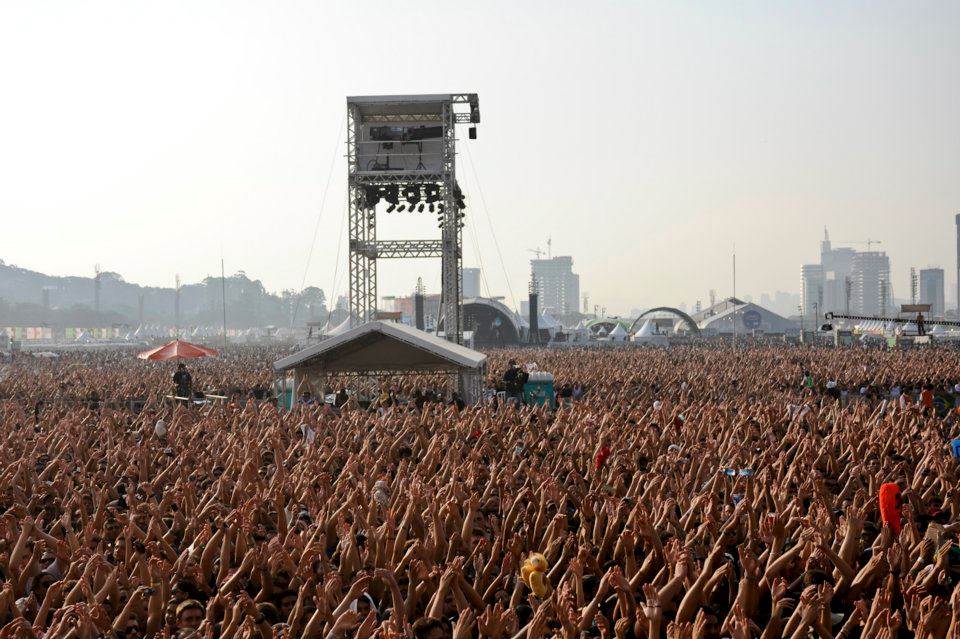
point(868, 242)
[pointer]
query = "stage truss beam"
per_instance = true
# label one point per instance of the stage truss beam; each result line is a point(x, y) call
point(364, 247)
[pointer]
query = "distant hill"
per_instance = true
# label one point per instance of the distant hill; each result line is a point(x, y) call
point(31, 298)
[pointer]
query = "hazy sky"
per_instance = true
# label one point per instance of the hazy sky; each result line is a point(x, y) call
point(644, 137)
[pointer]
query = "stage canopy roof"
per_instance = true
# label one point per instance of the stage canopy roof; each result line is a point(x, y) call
point(384, 347)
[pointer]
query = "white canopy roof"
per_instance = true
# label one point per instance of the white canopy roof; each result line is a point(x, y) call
point(618, 332)
point(384, 346)
point(547, 320)
point(647, 330)
point(339, 329)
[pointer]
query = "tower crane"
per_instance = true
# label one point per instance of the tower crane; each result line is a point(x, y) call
point(868, 242)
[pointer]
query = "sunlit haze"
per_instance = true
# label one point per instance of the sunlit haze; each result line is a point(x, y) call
point(645, 139)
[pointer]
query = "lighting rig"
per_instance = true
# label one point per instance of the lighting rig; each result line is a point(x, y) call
point(401, 151)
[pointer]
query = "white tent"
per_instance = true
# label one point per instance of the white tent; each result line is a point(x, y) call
point(937, 329)
point(339, 329)
point(648, 329)
point(547, 321)
point(619, 334)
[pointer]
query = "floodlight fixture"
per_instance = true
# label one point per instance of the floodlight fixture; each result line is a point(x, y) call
point(391, 194)
point(431, 193)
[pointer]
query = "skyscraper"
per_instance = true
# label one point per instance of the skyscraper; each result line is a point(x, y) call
point(471, 283)
point(557, 284)
point(931, 290)
point(837, 264)
point(957, 219)
point(811, 281)
point(871, 283)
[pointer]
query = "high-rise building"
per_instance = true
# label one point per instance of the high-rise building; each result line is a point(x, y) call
point(931, 290)
point(871, 294)
point(471, 283)
point(557, 284)
point(957, 220)
point(811, 280)
point(837, 266)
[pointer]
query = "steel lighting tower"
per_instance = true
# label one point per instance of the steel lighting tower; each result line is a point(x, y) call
point(401, 157)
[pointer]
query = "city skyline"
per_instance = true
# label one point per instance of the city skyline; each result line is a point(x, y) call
point(755, 125)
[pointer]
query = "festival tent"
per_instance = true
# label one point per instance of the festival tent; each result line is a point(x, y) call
point(339, 329)
point(619, 334)
point(648, 329)
point(547, 321)
point(937, 329)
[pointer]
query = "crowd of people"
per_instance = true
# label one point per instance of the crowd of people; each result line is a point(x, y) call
point(688, 493)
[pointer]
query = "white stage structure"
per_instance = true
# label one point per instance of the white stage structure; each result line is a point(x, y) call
point(401, 157)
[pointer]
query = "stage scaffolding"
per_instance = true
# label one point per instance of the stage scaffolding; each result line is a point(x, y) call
point(385, 136)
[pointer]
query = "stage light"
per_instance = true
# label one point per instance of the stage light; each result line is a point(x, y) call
point(391, 208)
point(431, 193)
point(372, 195)
point(431, 207)
point(391, 194)
point(472, 131)
point(420, 208)
point(401, 208)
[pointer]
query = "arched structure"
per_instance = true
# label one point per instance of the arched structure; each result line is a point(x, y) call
point(606, 324)
point(492, 323)
point(673, 311)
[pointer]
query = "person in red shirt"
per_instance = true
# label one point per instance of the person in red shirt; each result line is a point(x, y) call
point(926, 399)
point(891, 504)
point(603, 453)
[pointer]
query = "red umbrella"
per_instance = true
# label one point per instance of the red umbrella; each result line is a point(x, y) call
point(178, 349)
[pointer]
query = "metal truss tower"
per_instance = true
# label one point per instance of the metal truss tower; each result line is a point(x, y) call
point(401, 151)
